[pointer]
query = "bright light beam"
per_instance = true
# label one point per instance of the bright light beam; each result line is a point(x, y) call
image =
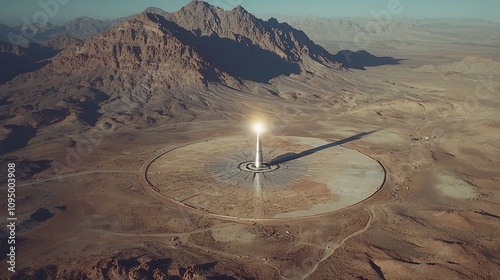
point(258, 128)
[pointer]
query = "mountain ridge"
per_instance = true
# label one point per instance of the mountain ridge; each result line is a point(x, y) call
point(238, 24)
point(152, 68)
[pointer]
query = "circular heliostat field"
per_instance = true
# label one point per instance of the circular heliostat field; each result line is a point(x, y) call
point(306, 176)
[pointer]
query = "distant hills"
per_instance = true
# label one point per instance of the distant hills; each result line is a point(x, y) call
point(368, 33)
point(18, 59)
point(352, 29)
point(80, 28)
point(472, 65)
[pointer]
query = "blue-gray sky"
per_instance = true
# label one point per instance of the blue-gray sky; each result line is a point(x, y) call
point(12, 12)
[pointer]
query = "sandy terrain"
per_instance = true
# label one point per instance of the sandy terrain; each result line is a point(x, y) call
point(437, 215)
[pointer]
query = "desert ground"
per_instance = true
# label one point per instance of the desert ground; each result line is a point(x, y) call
point(436, 216)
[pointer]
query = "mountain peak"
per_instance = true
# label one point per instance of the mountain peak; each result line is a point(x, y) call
point(199, 5)
point(240, 9)
point(158, 11)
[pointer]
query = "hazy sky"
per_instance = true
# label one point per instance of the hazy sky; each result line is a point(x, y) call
point(12, 12)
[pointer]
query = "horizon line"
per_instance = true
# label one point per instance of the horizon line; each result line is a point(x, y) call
point(262, 16)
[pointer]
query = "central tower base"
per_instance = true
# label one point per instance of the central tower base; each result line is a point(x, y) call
point(250, 167)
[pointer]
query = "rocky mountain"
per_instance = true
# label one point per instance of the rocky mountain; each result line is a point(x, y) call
point(149, 68)
point(240, 26)
point(210, 44)
point(146, 64)
point(147, 49)
point(198, 45)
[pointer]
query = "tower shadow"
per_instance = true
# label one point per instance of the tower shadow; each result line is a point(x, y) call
point(362, 59)
point(293, 156)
